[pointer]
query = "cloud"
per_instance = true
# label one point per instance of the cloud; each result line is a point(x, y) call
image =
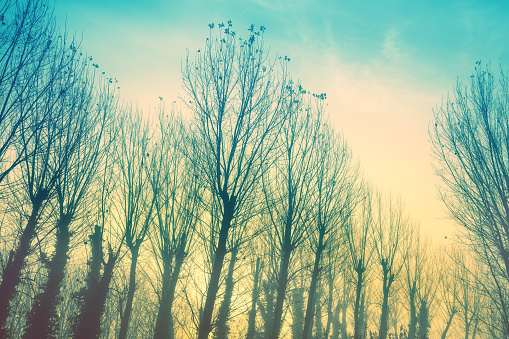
point(391, 47)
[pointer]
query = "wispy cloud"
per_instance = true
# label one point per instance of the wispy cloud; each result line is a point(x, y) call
point(391, 47)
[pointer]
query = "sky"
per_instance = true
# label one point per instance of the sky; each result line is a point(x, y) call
point(385, 66)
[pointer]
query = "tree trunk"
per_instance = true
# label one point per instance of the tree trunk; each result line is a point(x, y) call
point(251, 329)
point(42, 320)
point(449, 322)
point(312, 288)
point(362, 317)
point(336, 324)
point(357, 310)
point(162, 329)
point(384, 317)
point(222, 329)
point(89, 321)
point(164, 323)
point(344, 333)
point(474, 332)
point(208, 309)
point(412, 326)
point(423, 320)
point(318, 315)
point(330, 314)
point(281, 290)
point(94, 273)
point(267, 309)
point(297, 312)
point(12, 273)
point(126, 317)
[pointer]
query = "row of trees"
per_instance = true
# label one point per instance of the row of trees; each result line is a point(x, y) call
point(470, 140)
point(249, 217)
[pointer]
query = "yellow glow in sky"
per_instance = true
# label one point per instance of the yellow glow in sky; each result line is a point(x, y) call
point(384, 66)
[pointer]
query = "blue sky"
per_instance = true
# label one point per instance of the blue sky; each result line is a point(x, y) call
point(383, 64)
point(427, 42)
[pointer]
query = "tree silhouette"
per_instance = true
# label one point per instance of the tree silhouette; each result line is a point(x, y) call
point(389, 240)
point(111, 225)
point(46, 101)
point(104, 237)
point(31, 62)
point(360, 251)
point(136, 200)
point(336, 196)
point(288, 189)
point(469, 136)
point(178, 193)
point(236, 97)
point(87, 110)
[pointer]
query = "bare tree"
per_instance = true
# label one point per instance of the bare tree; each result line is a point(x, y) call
point(469, 291)
point(104, 237)
point(339, 289)
point(48, 141)
point(450, 284)
point(268, 284)
point(28, 70)
point(421, 281)
point(469, 136)
point(389, 232)
point(288, 188)
point(87, 110)
point(251, 328)
point(245, 230)
point(360, 251)
point(416, 255)
point(336, 180)
point(236, 96)
point(178, 193)
point(136, 200)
